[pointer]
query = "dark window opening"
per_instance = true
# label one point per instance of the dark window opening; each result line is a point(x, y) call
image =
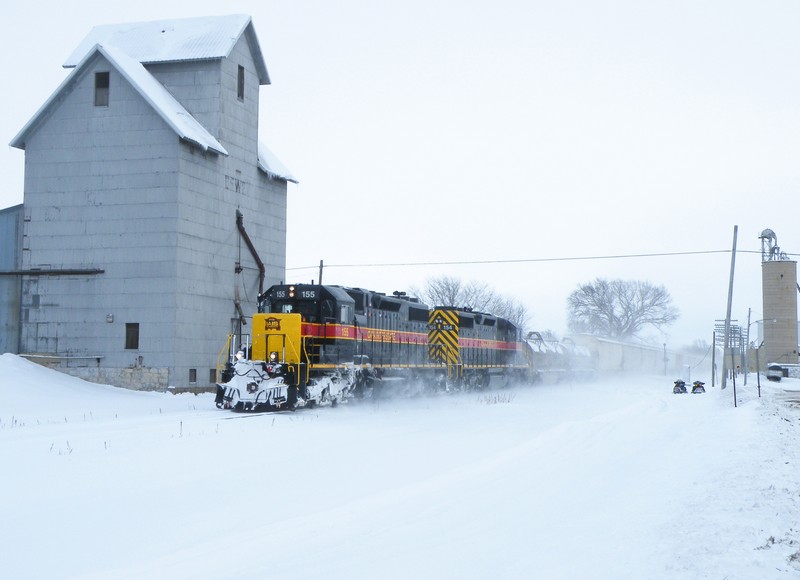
point(359, 298)
point(193, 376)
point(390, 304)
point(212, 375)
point(131, 335)
point(418, 315)
point(240, 83)
point(466, 321)
point(101, 84)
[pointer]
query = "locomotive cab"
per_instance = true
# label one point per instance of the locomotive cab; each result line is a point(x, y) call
point(315, 304)
point(302, 323)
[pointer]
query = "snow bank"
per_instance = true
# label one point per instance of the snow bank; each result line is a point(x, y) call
point(615, 479)
point(31, 393)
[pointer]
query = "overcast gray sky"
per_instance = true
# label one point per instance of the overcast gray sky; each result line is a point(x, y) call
point(459, 131)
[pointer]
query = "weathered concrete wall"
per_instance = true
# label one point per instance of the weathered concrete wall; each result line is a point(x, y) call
point(135, 377)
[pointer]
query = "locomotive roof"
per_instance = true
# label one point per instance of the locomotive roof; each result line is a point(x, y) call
point(339, 293)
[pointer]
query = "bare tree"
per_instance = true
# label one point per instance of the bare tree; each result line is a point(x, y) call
point(698, 346)
point(512, 310)
point(479, 296)
point(619, 309)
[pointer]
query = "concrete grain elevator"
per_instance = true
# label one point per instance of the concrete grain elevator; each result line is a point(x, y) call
point(779, 294)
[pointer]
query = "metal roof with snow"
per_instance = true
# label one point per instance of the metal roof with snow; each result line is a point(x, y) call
point(272, 166)
point(184, 39)
point(165, 105)
point(128, 47)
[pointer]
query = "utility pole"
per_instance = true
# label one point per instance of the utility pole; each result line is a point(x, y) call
point(713, 357)
point(728, 314)
point(758, 372)
point(747, 348)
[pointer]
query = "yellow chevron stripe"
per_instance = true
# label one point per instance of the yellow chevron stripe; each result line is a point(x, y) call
point(443, 336)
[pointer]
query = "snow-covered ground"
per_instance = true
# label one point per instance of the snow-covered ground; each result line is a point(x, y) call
point(611, 479)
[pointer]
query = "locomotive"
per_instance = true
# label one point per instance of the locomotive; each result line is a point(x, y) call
point(322, 344)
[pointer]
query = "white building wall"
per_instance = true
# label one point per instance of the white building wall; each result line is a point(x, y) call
point(196, 86)
point(101, 192)
point(209, 244)
point(114, 188)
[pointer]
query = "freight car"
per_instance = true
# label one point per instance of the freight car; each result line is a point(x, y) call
point(321, 344)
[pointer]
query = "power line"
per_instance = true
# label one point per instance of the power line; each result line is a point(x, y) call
point(524, 260)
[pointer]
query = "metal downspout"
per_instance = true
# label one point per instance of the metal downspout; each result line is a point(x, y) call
point(262, 270)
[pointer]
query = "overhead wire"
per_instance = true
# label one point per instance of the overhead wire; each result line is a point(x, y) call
point(523, 260)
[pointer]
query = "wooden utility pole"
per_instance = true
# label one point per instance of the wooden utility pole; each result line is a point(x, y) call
point(728, 314)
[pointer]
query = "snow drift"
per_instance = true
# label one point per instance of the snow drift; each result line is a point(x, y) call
point(611, 479)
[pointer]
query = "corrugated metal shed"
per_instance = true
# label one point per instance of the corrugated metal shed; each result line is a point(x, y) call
point(11, 238)
point(11, 220)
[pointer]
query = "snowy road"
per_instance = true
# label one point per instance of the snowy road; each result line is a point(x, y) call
point(615, 479)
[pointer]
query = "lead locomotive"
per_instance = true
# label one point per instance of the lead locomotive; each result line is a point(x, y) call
point(315, 344)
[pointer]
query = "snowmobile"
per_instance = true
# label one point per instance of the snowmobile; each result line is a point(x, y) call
point(697, 387)
point(679, 388)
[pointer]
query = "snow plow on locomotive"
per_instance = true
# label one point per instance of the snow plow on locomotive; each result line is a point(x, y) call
point(323, 344)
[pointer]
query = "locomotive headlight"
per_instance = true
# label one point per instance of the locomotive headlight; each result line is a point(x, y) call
point(252, 387)
point(291, 291)
point(273, 357)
